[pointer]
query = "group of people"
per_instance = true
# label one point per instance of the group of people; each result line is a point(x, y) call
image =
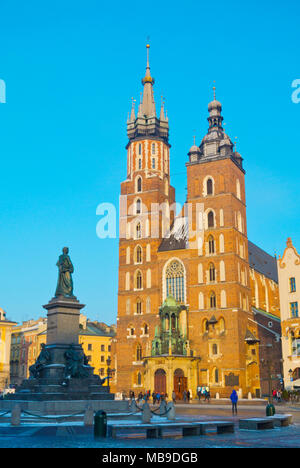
point(276, 395)
point(203, 392)
point(157, 397)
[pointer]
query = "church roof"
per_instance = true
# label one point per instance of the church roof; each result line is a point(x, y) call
point(177, 238)
point(262, 262)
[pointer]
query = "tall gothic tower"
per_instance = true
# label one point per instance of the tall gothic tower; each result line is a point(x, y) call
point(146, 196)
point(220, 315)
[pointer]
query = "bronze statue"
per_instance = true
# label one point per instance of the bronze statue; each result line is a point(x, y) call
point(43, 358)
point(65, 268)
point(75, 362)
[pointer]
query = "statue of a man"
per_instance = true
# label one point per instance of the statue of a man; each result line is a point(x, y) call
point(65, 269)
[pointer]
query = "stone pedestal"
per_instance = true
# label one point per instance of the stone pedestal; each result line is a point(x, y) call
point(63, 320)
point(53, 382)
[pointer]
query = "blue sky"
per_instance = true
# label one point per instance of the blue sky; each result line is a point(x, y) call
point(70, 69)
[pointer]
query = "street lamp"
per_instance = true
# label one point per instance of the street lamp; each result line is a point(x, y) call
point(109, 370)
point(108, 363)
point(291, 378)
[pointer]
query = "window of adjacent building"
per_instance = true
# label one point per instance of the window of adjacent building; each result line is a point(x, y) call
point(216, 375)
point(89, 347)
point(174, 277)
point(153, 163)
point(102, 347)
point(140, 148)
point(295, 345)
point(140, 164)
point(102, 371)
point(292, 284)
point(215, 348)
point(109, 348)
point(102, 358)
point(153, 148)
point(294, 309)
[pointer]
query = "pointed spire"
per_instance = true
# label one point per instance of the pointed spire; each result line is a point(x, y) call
point(162, 109)
point(148, 104)
point(132, 115)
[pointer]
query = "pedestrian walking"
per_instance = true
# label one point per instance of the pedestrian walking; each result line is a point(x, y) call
point(188, 396)
point(154, 397)
point(234, 399)
point(184, 396)
point(174, 397)
point(279, 396)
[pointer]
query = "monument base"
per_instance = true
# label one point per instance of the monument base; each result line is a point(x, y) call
point(57, 389)
point(65, 407)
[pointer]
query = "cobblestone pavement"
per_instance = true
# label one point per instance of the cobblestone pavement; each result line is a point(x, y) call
point(72, 436)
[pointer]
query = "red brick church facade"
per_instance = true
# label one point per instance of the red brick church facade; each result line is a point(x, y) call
point(201, 257)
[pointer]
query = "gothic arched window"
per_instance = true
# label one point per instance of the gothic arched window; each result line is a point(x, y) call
point(174, 278)
point(139, 184)
point(211, 245)
point(212, 300)
point(212, 272)
point(210, 219)
point(138, 206)
point(138, 231)
point(138, 306)
point(209, 187)
point(138, 254)
point(138, 352)
point(139, 280)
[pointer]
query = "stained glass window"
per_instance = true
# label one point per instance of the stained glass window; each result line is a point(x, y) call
point(175, 281)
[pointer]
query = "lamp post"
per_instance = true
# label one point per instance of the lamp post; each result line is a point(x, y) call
point(109, 370)
point(270, 408)
point(108, 363)
point(291, 378)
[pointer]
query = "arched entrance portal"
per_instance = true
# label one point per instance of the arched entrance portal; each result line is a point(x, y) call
point(160, 381)
point(180, 383)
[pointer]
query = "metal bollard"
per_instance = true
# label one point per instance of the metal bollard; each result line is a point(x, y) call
point(100, 424)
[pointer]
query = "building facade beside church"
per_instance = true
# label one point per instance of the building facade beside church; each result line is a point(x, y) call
point(193, 291)
point(289, 287)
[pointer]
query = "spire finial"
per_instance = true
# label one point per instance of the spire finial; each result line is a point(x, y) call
point(235, 141)
point(194, 136)
point(214, 89)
